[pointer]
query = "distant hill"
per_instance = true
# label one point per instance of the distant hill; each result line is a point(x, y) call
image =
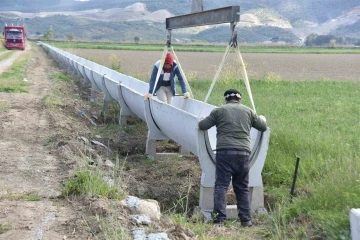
point(348, 30)
point(318, 11)
point(249, 35)
point(89, 29)
point(261, 20)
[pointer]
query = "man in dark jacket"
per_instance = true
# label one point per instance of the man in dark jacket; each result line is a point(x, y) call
point(233, 123)
point(165, 87)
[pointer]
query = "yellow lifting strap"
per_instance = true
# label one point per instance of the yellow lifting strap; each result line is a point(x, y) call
point(233, 43)
point(162, 60)
point(245, 76)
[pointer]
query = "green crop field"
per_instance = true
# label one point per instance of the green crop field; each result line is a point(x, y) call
point(201, 48)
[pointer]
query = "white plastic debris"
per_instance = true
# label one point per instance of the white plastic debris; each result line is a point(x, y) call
point(132, 202)
point(261, 211)
point(109, 164)
point(141, 219)
point(85, 140)
point(148, 207)
point(109, 181)
point(139, 234)
point(98, 143)
point(158, 236)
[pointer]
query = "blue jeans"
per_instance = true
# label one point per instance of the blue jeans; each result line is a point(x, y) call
point(235, 168)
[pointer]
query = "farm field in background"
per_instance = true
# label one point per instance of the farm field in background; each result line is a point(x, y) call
point(202, 47)
point(203, 65)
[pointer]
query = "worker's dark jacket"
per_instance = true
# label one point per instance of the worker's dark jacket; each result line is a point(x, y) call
point(233, 123)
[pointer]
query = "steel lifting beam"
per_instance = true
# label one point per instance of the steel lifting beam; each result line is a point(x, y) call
point(210, 17)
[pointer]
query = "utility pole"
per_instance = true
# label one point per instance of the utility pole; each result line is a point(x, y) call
point(197, 6)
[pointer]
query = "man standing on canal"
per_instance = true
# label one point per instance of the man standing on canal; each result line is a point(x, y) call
point(233, 123)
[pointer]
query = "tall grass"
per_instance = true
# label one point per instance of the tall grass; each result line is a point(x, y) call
point(320, 122)
point(4, 105)
point(4, 227)
point(4, 55)
point(61, 76)
point(12, 79)
point(89, 181)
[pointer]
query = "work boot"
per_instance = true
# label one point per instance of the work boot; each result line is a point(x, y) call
point(218, 221)
point(246, 224)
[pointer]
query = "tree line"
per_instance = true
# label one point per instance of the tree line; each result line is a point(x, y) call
point(330, 40)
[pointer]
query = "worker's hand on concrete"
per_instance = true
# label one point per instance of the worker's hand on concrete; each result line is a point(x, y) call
point(187, 95)
point(148, 95)
point(262, 118)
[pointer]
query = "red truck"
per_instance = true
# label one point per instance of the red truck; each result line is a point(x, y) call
point(14, 37)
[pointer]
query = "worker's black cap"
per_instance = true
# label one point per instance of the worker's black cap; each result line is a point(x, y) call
point(232, 93)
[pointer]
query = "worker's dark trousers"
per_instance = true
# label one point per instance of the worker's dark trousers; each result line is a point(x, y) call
point(237, 168)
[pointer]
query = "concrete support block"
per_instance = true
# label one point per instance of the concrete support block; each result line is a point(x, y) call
point(355, 223)
point(151, 150)
point(93, 96)
point(206, 198)
point(256, 198)
point(105, 106)
point(207, 201)
point(125, 111)
point(151, 147)
point(231, 212)
point(184, 151)
point(123, 120)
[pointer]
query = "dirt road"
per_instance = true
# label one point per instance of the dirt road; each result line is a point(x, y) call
point(30, 174)
point(9, 61)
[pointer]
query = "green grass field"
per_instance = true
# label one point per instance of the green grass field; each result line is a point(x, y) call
point(319, 121)
point(201, 48)
point(6, 54)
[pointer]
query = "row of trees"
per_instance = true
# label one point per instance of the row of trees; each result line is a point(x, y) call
point(311, 40)
point(330, 40)
point(50, 34)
